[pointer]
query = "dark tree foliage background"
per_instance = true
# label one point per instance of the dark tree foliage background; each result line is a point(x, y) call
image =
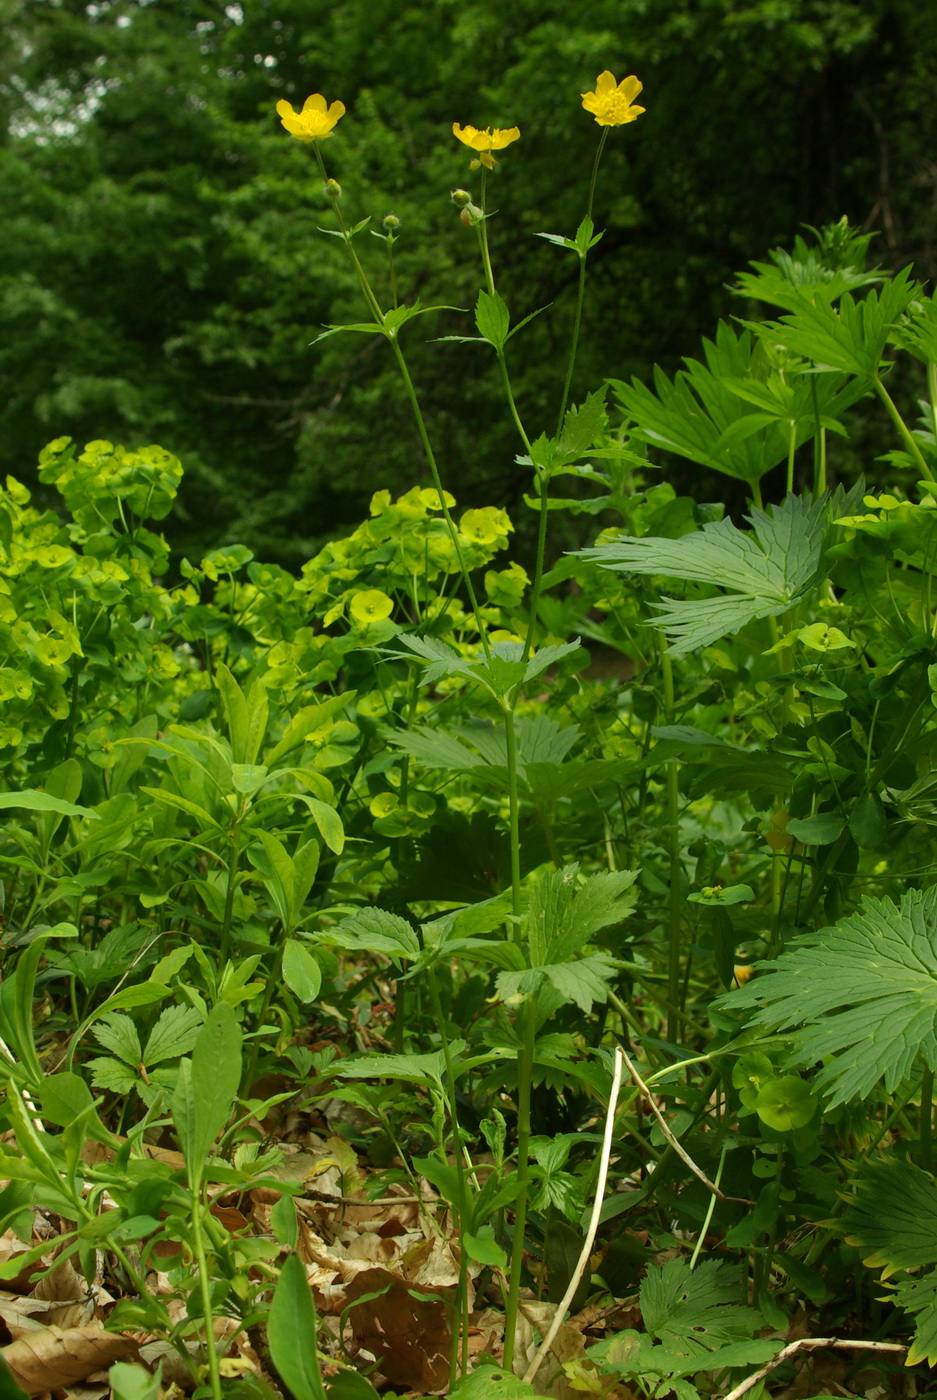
point(162, 274)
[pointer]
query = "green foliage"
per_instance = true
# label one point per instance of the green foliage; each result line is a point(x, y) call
point(379, 836)
point(893, 1219)
point(141, 150)
point(769, 569)
point(860, 997)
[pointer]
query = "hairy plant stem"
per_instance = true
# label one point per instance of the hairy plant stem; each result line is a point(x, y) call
point(437, 482)
point(791, 451)
point(204, 1283)
point(460, 1330)
point(675, 897)
point(525, 1056)
point(542, 477)
point(391, 336)
point(228, 913)
point(907, 437)
point(577, 321)
point(904, 733)
point(525, 1070)
point(513, 817)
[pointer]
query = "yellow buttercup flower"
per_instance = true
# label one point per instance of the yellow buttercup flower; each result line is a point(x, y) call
point(484, 142)
point(315, 122)
point(611, 102)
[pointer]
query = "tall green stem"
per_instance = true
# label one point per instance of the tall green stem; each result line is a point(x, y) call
point(791, 450)
point(437, 482)
point(228, 915)
point(513, 818)
point(525, 1073)
point(204, 1284)
point(580, 296)
point(481, 229)
point(391, 335)
point(460, 1331)
point(675, 898)
point(906, 435)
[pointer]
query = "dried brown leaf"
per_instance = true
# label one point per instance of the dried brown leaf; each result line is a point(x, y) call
point(57, 1357)
point(410, 1336)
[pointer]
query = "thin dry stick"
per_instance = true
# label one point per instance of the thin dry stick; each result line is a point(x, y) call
point(674, 1142)
point(568, 1296)
point(809, 1344)
point(27, 1097)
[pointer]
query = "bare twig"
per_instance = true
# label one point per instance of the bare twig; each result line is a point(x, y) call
point(27, 1097)
point(809, 1344)
point(568, 1296)
point(675, 1143)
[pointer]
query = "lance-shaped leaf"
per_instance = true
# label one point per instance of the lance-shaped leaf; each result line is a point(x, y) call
point(769, 568)
point(860, 998)
point(376, 931)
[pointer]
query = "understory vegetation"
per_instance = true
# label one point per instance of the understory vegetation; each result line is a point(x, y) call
point(424, 974)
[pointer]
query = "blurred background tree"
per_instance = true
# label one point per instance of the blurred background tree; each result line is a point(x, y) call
point(162, 274)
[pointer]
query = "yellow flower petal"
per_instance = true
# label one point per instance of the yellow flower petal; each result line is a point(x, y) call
point(611, 103)
point(485, 141)
point(315, 122)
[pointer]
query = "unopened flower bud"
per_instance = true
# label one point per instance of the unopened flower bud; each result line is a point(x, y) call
point(333, 189)
point(470, 215)
point(461, 198)
point(391, 223)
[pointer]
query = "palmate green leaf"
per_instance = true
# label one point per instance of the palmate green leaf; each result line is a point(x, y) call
point(859, 998)
point(770, 568)
point(113, 1075)
point(804, 276)
point(918, 1296)
point(691, 413)
point(490, 1383)
point(564, 913)
point(693, 1311)
point(173, 1035)
point(119, 1035)
point(442, 659)
point(435, 748)
point(892, 1217)
point(632, 1353)
point(850, 338)
point(540, 740)
point(413, 1069)
point(582, 426)
point(583, 982)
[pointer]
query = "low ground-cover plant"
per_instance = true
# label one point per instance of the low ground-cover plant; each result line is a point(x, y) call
point(342, 899)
